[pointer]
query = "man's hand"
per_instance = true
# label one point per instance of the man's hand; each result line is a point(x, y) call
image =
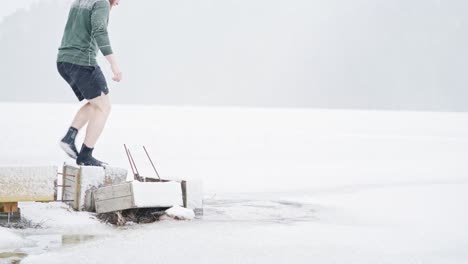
point(115, 68)
point(117, 72)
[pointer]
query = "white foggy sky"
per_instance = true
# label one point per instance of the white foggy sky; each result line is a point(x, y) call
point(10, 6)
point(376, 54)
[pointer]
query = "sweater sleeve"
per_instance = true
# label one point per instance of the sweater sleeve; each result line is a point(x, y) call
point(99, 22)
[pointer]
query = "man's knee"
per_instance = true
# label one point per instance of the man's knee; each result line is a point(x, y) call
point(104, 107)
point(102, 104)
point(108, 108)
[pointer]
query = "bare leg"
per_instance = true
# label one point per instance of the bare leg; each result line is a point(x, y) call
point(83, 116)
point(101, 110)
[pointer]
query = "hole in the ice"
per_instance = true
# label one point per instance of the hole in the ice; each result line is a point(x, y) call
point(76, 239)
point(12, 257)
point(43, 243)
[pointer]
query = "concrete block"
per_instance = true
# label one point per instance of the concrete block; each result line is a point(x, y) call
point(21, 184)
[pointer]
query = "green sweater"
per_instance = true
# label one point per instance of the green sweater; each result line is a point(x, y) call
point(85, 33)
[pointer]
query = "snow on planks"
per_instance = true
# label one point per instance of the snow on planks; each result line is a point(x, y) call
point(136, 194)
point(78, 183)
point(22, 184)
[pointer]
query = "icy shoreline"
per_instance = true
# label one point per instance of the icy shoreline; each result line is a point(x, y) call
point(397, 224)
point(295, 186)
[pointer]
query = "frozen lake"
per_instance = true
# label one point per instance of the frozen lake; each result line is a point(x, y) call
point(282, 186)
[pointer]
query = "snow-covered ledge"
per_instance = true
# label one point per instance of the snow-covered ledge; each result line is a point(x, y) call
point(23, 183)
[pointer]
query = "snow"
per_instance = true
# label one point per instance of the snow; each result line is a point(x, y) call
point(90, 177)
point(115, 174)
point(94, 177)
point(194, 188)
point(27, 183)
point(9, 240)
point(180, 213)
point(281, 185)
point(59, 218)
point(393, 224)
point(157, 194)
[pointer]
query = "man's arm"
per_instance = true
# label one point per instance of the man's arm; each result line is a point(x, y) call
point(99, 22)
point(115, 68)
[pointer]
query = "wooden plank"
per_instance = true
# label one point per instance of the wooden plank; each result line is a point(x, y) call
point(13, 217)
point(70, 174)
point(64, 171)
point(76, 203)
point(14, 208)
point(5, 207)
point(114, 198)
point(71, 170)
point(137, 195)
point(9, 207)
point(113, 191)
point(132, 192)
point(116, 204)
point(83, 178)
point(70, 180)
point(184, 192)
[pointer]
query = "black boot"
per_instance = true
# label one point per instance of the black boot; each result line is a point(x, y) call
point(68, 143)
point(85, 158)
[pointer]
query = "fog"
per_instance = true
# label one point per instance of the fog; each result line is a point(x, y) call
point(364, 54)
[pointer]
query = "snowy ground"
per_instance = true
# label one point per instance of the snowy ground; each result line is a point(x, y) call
point(282, 186)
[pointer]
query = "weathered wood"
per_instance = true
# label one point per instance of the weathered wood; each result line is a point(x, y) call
point(71, 171)
point(114, 198)
point(79, 181)
point(64, 171)
point(117, 204)
point(131, 195)
point(184, 192)
point(113, 191)
point(70, 179)
point(11, 217)
point(9, 207)
point(77, 197)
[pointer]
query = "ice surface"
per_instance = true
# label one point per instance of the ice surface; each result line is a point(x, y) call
point(282, 186)
point(9, 240)
point(383, 224)
point(251, 150)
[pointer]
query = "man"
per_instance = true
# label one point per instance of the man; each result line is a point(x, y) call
point(85, 34)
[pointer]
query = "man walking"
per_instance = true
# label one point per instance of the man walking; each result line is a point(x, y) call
point(85, 34)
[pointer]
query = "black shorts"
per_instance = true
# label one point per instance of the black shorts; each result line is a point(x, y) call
point(87, 82)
